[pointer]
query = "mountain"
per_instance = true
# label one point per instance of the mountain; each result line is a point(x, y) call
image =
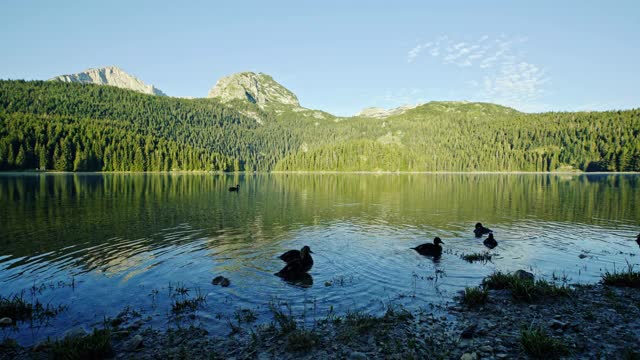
point(380, 113)
point(436, 107)
point(74, 127)
point(258, 88)
point(110, 75)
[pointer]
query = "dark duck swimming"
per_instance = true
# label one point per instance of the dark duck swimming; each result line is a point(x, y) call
point(430, 249)
point(235, 188)
point(481, 230)
point(298, 263)
point(490, 241)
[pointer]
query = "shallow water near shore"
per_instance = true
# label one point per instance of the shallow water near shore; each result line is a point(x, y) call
point(98, 243)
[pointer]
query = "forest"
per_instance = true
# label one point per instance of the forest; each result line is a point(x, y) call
point(76, 127)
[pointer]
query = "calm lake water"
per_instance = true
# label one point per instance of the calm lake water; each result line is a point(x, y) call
point(100, 242)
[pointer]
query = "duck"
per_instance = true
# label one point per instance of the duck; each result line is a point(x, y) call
point(299, 262)
point(430, 249)
point(294, 254)
point(235, 188)
point(638, 239)
point(490, 241)
point(481, 230)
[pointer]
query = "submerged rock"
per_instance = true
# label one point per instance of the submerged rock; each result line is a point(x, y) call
point(221, 280)
point(76, 332)
point(135, 343)
point(524, 275)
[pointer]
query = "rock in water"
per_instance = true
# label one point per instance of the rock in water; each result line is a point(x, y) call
point(76, 332)
point(135, 343)
point(523, 275)
point(221, 280)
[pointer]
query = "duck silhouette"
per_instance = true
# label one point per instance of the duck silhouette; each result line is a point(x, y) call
point(429, 249)
point(481, 230)
point(292, 255)
point(235, 188)
point(298, 263)
point(490, 242)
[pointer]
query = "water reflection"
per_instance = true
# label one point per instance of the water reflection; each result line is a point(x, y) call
point(124, 236)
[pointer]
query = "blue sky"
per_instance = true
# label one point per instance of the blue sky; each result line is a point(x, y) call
point(342, 56)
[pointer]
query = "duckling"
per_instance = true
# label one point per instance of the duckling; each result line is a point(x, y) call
point(490, 242)
point(235, 188)
point(294, 254)
point(430, 249)
point(481, 230)
point(296, 266)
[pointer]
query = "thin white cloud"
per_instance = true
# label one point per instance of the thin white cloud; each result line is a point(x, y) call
point(504, 75)
point(516, 84)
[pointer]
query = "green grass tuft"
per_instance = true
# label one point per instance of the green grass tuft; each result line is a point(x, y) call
point(245, 315)
point(539, 345)
point(285, 320)
point(627, 278)
point(19, 309)
point(475, 296)
point(183, 305)
point(302, 340)
point(96, 345)
point(525, 290)
point(482, 257)
point(361, 322)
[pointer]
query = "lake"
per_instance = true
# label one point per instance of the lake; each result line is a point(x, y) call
point(98, 243)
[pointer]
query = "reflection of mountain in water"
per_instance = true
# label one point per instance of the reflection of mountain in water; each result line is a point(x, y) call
point(115, 222)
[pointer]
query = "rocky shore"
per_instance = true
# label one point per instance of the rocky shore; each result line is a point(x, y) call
point(588, 322)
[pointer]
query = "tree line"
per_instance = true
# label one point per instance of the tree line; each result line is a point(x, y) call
point(79, 127)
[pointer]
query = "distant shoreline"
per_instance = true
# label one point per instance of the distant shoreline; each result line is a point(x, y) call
point(332, 172)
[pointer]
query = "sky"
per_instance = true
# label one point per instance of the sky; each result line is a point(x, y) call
point(343, 56)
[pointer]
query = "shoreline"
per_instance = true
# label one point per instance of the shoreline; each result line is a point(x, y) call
point(589, 321)
point(199, 172)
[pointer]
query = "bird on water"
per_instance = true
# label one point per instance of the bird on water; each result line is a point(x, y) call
point(490, 241)
point(298, 262)
point(481, 230)
point(235, 188)
point(429, 249)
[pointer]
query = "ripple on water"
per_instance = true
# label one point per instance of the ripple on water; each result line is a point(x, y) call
point(131, 251)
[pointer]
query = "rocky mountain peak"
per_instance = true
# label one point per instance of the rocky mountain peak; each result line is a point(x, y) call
point(110, 75)
point(258, 88)
point(380, 113)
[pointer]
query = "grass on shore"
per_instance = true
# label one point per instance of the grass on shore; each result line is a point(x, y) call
point(539, 345)
point(302, 340)
point(475, 296)
point(96, 345)
point(627, 278)
point(525, 289)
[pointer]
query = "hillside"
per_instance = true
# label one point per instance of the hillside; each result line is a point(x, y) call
point(70, 126)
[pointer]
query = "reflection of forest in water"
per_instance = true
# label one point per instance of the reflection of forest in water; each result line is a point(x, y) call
point(48, 212)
